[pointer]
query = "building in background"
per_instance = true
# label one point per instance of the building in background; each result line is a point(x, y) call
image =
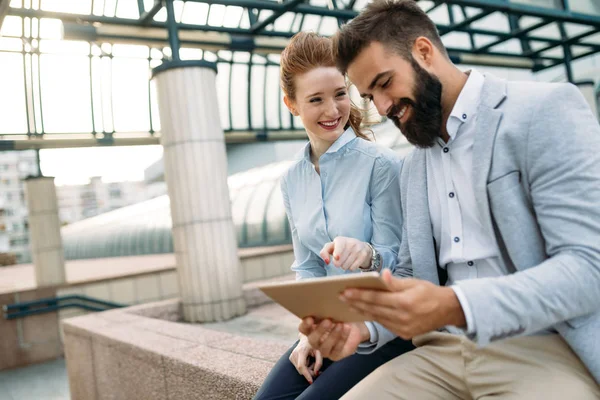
point(15, 166)
point(77, 202)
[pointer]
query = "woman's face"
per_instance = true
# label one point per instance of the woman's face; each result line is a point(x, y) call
point(322, 102)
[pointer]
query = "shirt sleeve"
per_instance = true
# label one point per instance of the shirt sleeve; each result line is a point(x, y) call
point(386, 216)
point(306, 263)
point(386, 211)
point(464, 303)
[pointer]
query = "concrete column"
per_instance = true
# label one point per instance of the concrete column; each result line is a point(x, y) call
point(196, 174)
point(588, 89)
point(44, 231)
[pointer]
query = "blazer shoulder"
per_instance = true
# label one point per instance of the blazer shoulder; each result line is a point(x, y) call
point(527, 94)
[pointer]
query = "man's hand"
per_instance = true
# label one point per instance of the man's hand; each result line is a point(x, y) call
point(334, 340)
point(412, 307)
point(300, 357)
point(347, 253)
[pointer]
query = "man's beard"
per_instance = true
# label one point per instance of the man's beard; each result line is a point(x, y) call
point(424, 124)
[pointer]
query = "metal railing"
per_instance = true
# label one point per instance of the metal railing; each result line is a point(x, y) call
point(52, 304)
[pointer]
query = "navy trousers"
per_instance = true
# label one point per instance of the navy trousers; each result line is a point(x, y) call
point(336, 378)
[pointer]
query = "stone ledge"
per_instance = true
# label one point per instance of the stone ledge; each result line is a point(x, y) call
point(143, 352)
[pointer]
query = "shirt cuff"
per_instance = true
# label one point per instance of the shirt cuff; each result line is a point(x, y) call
point(462, 299)
point(374, 335)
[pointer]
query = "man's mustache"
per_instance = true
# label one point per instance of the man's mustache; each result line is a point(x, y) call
point(399, 106)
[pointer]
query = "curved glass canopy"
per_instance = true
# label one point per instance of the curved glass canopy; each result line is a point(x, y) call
point(145, 228)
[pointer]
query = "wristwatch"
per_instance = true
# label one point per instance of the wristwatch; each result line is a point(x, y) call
point(375, 260)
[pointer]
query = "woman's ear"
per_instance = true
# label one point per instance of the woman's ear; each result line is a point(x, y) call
point(290, 105)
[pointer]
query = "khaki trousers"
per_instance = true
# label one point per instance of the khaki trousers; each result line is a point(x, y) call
point(448, 367)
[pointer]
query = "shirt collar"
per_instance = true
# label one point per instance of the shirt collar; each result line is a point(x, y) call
point(342, 141)
point(339, 144)
point(467, 103)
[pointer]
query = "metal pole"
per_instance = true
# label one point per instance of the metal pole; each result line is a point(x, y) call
point(172, 28)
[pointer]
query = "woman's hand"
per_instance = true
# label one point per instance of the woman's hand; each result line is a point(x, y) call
point(300, 359)
point(347, 253)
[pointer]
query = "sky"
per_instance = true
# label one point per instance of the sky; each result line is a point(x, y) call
point(113, 164)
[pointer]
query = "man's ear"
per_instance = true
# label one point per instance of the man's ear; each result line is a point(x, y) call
point(290, 105)
point(423, 51)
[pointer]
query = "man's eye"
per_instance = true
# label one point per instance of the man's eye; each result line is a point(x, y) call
point(340, 94)
point(386, 83)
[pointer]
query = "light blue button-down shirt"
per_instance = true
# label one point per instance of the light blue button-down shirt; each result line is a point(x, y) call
point(357, 195)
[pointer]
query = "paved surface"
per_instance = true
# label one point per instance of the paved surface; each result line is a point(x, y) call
point(47, 381)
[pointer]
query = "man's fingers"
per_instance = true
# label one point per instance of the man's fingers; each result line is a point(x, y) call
point(318, 334)
point(338, 348)
point(306, 326)
point(330, 341)
point(375, 297)
point(326, 252)
point(397, 284)
point(378, 313)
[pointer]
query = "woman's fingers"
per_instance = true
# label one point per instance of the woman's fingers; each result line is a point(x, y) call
point(301, 357)
point(326, 252)
point(318, 363)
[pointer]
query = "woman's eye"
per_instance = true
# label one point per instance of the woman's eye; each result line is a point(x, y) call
point(315, 100)
point(387, 83)
point(340, 94)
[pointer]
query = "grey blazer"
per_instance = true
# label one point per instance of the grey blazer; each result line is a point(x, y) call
point(536, 172)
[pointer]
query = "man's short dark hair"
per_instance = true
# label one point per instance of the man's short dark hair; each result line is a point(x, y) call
point(394, 23)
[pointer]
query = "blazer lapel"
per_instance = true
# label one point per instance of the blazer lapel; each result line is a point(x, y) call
point(420, 235)
point(488, 120)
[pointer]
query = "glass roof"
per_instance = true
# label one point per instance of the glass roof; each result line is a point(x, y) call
point(81, 68)
point(145, 228)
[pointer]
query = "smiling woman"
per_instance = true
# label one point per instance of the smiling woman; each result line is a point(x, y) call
point(341, 198)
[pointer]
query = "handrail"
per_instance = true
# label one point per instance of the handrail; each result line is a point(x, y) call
point(51, 304)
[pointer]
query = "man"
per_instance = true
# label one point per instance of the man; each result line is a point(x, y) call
point(502, 193)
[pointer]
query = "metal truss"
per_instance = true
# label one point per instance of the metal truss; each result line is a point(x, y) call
point(497, 32)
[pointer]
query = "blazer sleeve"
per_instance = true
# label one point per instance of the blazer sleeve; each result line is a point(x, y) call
point(562, 168)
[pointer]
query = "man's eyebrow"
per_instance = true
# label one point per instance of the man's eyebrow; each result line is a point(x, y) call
point(374, 82)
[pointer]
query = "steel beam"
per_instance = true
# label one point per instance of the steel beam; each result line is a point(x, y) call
point(532, 11)
point(147, 16)
point(285, 7)
point(574, 40)
point(443, 29)
point(3, 10)
point(514, 34)
point(21, 142)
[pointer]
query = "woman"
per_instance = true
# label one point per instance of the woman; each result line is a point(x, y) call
point(341, 187)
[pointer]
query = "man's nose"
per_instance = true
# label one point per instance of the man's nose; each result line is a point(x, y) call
point(383, 104)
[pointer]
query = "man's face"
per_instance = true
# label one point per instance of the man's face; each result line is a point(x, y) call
point(401, 90)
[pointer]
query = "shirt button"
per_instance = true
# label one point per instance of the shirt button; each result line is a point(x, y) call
point(446, 149)
point(456, 239)
point(464, 116)
point(470, 263)
point(451, 194)
point(324, 174)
